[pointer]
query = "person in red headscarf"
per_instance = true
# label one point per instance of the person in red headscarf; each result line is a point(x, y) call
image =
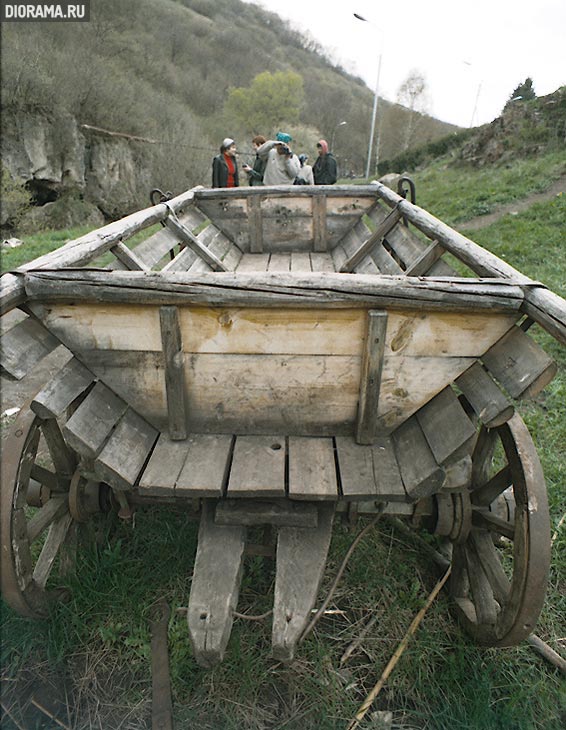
point(325, 169)
point(225, 167)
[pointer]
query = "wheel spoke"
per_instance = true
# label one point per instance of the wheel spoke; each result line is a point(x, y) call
point(488, 492)
point(491, 565)
point(489, 521)
point(45, 477)
point(55, 539)
point(480, 587)
point(63, 458)
point(483, 455)
point(52, 510)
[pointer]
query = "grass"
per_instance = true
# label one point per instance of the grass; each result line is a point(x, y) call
point(98, 644)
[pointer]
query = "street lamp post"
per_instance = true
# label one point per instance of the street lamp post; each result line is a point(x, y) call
point(375, 98)
point(340, 124)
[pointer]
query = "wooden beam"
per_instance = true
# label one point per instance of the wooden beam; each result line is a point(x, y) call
point(370, 380)
point(57, 395)
point(491, 406)
point(173, 223)
point(422, 264)
point(320, 235)
point(255, 226)
point(376, 237)
point(23, 346)
point(128, 258)
point(175, 385)
point(420, 473)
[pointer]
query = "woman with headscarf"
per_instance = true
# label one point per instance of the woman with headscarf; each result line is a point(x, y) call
point(325, 169)
point(225, 167)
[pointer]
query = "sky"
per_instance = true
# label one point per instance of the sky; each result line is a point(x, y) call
point(472, 54)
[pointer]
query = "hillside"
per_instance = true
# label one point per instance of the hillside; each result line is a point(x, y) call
point(156, 75)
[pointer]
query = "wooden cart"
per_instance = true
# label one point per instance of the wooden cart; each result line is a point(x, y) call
point(275, 356)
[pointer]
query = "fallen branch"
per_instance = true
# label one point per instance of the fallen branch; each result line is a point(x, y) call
point(398, 652)
point(49, 714)
point(357, 641)
point(547, 652)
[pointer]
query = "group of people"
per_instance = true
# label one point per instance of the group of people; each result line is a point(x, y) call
point(275, 164)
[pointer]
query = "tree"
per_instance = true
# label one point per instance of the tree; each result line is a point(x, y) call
point(270, 101)
point(413, 94)
point(522, 92)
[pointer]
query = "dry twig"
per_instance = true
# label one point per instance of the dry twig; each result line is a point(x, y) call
point(398, 652)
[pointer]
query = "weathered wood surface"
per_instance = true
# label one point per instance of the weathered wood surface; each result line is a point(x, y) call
point(90, 425)
point(167, 459)
point(175, 386)
point(369, 472)
point(544, 306)
point(215, 586)
point(123, 456)
point(445, 425)
point(279, 513)
point(59, 393)
point(301, 559)
point(421, 474)
point(274, 290)
point(486, 398)
point(23, 346)
point(519, 364)
point(156, 247)
point(205, 471)
point(312, 469)
point(194, 243)
point(258, 467)
point(370, 379)
point(375, 239)
point(128, 258)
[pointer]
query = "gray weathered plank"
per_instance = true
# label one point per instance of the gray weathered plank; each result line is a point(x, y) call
point(23, 346)
point(369, 472)
point(255, 225)
point(277, 512)
point(127, 257)
point(279, 262)
point(519, 364)
point(253, 262)
point(312, 469)
point(68, 384)
point(194, 243)
point(90, 425)
point(370, 378)
point(164, 466)
point(300, 261)
point(301, 559)
point(445, 425)
point(175, 386)
point(484, 395)
point(420, 473)
point(320, 236)
point(382, 230)
point(215, 586)
point(205, 471)
point(424, 261)
point(322, 262)
point(123, 456)
point(258, 467)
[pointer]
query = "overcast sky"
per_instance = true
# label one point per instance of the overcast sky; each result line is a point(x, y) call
point(472, 54)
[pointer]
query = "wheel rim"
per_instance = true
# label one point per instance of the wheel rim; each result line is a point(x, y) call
point(500, 569)
point(38, 532)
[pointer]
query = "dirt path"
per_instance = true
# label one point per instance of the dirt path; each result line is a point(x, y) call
point(518, 206)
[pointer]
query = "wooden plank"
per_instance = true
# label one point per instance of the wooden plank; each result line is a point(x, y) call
point(420, 473)
point(322, 262)
point(175, 386)
point(312, 469)
point(369, 472)
point(123, 456)
point(301, 559)
point(207, 462)
point(458, 475)
point(253, 262)
point(405, 245)
point(280, 513)
point(163, 468)
point(258, 467)
point(385, 262)
point(130, 260)
point(68, 384)
point(255, 224)
point(422, 263)
point(214, 587)
point(445, 425)
point(320, 241)
point(370, 377)
point(519, 364)
point(486, 398)
point(300, 261)
point(279, 262)
point(23, 346)
point(90, 425)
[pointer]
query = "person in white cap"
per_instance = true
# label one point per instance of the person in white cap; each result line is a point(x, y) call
point(225, 167)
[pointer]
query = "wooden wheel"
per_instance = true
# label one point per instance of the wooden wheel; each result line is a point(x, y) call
point(41, 495)
point(501, 560)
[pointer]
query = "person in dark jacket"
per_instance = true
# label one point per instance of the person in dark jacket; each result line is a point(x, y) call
point(255, 173)
point(325, 169)
point(225, 166)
